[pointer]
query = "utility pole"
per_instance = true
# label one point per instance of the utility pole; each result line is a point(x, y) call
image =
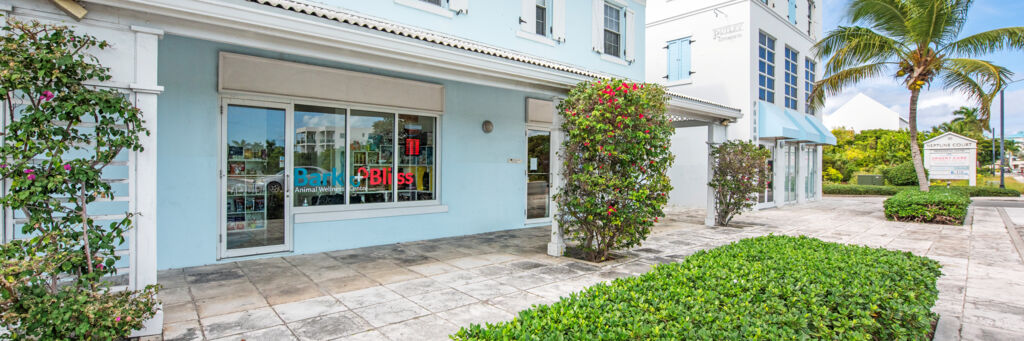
point(993, 131)
point(1002, 140)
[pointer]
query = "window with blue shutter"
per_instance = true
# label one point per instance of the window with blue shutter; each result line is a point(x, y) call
point(792, 11)
point(678, 60)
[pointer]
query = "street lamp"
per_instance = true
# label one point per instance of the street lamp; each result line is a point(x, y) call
point(1002, 140)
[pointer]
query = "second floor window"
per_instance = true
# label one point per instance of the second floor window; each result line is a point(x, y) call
point(766, 68)
point(612, 30)
point(542, 18)
point(809, 74)
point(791, 80)
point(678, 60)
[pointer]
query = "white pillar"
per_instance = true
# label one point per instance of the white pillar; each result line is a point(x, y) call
point(144, 189)
point(802, 168)
point(557, 245)
point(716, 134)
point(780, 165)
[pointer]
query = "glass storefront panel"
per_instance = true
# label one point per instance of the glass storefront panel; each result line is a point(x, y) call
point(415, 175)
point(371, 141)
point(319, 154)
point(812, 172)
point(791, 164)
point(768, 194)
point(255, 177)
point(538, 174)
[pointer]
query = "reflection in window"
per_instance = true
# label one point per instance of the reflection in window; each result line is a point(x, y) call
point(319, 172)
point(415, 176)
point(372, 151)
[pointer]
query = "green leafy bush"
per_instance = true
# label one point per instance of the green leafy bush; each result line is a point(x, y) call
point(901, 175)
point(975, 191)
point(58, 140)
point(936, 206)
point(615, 163)
point(769, 288)
point(740, 170)
point(831, 175)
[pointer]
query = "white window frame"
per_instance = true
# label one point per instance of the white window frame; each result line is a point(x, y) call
point(554, 26)
point(311, 214)
point(621, 32)
point(441, 9)
point(767, 62)
point(810, 75)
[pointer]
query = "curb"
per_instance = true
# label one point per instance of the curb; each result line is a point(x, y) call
point(1018, 242)
point(948, 328)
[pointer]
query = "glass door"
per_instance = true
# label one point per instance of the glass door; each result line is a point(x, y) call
point(812, 171)
point(791, 164)
point(538, 174)
point(766, 197)
point(255, 184)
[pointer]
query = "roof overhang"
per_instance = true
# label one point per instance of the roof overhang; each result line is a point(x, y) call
point(689, 112)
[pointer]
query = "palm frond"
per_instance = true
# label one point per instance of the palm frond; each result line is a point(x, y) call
point(889, 16)
point(933, 22)
point(834, 83)
point(979, 80)
point(848, 46)
point(988, 42)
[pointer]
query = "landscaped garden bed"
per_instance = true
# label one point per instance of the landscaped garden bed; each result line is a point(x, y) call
point(973, 191)
point(772, 287)
point(942, 206)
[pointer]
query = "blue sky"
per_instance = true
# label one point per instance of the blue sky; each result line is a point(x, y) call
point(936, 105)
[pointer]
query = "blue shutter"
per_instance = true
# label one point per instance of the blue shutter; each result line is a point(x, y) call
point(684, 58)
point(678, 60)
point(792, 11)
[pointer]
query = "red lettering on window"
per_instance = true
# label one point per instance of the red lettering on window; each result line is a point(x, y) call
point(412, 147)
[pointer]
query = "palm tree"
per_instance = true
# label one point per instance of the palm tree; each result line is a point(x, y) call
point(917, 42)
point(967, 122)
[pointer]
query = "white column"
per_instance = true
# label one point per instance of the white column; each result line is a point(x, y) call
point(781, 161)
point(716, 134)
point(144, 189)
point(557, 245)
point(802, 167)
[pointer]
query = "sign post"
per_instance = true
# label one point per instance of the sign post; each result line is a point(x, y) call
point(951, 157)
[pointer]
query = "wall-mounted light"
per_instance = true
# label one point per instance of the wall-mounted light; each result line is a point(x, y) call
point(724, 122)
point(488, 127)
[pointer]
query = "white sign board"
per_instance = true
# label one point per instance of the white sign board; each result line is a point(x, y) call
point(951, 157)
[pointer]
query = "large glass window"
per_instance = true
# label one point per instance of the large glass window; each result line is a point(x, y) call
point(612, 30)
point(319, 166)
point(766, 68)
point(416, 174)
point(790, 78)
point(809, 74)
point(372, 145)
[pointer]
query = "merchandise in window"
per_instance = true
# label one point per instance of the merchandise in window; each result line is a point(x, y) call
point(415, 172)
point(372, 153)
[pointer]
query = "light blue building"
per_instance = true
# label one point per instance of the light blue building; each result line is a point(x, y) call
point(299, 126)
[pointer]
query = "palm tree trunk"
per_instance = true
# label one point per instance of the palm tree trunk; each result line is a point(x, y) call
point(915, 151)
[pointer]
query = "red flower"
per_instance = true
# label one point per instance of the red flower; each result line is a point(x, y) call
point(647, 131)
point(641, 115)
point(586, 143)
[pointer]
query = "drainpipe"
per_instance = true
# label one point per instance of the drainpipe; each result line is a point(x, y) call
point(72, 8)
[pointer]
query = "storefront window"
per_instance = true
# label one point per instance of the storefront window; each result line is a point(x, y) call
point(319, 172)
point(372, 151)
point(415, 175)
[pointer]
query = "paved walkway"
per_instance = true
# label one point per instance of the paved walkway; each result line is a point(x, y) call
point(427, 290)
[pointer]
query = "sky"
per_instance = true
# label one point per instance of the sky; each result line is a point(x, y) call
point(936, 105)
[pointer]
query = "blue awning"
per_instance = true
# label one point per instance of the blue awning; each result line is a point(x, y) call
point(809, 133)
point(772, 122)
point(827, 137)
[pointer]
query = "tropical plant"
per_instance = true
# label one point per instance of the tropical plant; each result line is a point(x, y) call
point(60, 136)
point(615, 157)
point(918, 42)
point(739, 171)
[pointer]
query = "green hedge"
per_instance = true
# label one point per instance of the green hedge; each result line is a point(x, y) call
point(772, 288)
point(903, 174)
point(977, 191)
point(936, 206)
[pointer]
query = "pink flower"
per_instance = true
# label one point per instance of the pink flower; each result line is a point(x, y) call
point(67, 166)
point(31, 177)
point(29, 171)
point(117, 319)
point(3, 165)
point(46, 96)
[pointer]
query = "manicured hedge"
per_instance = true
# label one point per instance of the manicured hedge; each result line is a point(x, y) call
point(770, 288)
point(936, 206)
point(977, 191)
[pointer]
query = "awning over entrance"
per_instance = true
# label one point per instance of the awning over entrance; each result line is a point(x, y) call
point(772, 122)
point(778, 123)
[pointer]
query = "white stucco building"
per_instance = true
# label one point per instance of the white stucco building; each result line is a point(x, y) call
point(864, 113)
point(748, 54)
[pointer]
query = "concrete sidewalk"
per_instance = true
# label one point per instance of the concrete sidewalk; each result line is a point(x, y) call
point(427, 290)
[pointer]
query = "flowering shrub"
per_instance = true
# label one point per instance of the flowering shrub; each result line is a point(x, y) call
point(740, 171)
point(615, 158)
point(60, 136)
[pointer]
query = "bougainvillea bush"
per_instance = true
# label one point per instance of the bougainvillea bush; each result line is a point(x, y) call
point(615, 158)
point(740, 171)
point(60, 136)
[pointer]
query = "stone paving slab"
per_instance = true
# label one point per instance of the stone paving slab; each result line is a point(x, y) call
point(426, 290)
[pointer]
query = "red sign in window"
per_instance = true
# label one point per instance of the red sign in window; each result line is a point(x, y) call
point(412, 147)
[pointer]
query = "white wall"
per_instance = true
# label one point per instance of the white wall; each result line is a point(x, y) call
point(689, 173)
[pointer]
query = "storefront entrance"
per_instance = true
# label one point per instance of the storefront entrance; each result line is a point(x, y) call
point(792, 157)
point(538, 176)
point(255, 192)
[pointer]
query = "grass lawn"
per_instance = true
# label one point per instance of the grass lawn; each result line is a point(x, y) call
point(1010, 182)
point(771, 288)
